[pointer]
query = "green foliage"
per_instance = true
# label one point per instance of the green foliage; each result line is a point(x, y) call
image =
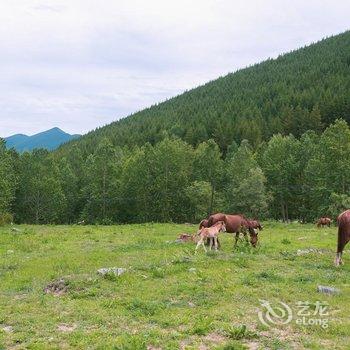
point(338, 203)
point(5, 218)
point(280, 164)
point(40, 197)
point(154, 182)
point(239, 332)
point(208, 166)
point(101, 185)
point(198, 196)
point(7, 178)
point(264, 141)
point(286, 178)
point(246, 184)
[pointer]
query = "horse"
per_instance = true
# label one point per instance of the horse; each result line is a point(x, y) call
point(236, 224)
point(212, 233)
point(205, 223)
point(343, 221)
point(256, 224)
point(324, 221)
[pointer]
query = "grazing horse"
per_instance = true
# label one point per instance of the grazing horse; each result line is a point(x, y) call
point(324, 221)
point(236, 224)
point(211, 233)
point(343, 235)
point(256, 224)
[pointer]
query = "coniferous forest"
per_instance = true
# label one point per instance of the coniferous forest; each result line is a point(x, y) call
point(269, 141)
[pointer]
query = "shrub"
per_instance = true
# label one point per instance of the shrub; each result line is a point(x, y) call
point(5, 219)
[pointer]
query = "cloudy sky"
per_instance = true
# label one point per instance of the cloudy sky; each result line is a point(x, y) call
point(80, 64)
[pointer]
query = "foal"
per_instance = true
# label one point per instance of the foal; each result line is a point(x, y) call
point(211, 233)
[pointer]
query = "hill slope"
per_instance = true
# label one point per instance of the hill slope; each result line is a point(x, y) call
point(305, 89)
point(50, 140)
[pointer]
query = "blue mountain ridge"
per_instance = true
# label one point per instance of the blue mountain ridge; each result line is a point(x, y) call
point(49, 139)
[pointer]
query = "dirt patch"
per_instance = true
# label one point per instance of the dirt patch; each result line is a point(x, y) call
point(253, 345)
point(287, 334)
point(214, 338)
point(57, 288)
point(66, 328)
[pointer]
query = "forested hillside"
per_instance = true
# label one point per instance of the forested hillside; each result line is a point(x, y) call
point(303, 90)
point(270, 141)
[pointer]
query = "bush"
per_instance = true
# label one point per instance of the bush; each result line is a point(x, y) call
point(5, 219)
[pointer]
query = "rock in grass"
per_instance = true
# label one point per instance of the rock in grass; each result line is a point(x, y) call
point(328, 290)
point(15, 229)
point(7, 329)
point(117, 271)
point(57, 288)
point(310, 250)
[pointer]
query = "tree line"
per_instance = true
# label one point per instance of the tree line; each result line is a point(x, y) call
point(285, 177)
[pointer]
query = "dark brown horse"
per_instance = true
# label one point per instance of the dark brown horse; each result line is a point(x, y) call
point(256, 224)
point(343, 235)
point(236, 224)
point(203, 223)
point(324, 221)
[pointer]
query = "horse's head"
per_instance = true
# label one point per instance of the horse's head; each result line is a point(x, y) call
point(222, 226)
point(253, 236)
point(203, 223)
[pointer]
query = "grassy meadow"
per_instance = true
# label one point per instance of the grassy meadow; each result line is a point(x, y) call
point(168, 298)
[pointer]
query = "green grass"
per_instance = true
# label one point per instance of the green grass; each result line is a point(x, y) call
point(169, 298)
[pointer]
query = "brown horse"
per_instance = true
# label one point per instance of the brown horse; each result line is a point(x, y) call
point(236, 224)
point(324, 221)
point(256, 224)
point(212, 233)
point(343, 235)
point(203, 223)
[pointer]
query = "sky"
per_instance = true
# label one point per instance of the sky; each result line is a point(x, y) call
point(81, 64)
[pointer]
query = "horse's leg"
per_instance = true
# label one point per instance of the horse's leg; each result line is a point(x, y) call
point(342, 241)
point(216, 242)
point(205, 249)
point(198, 244)
point(211, 243)
point(338, 259)
point(246, 237)
point(236, 239)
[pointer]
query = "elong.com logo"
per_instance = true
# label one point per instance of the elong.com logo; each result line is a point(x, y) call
point(308, 314)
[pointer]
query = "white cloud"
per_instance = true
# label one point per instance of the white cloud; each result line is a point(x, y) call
point(78, 64)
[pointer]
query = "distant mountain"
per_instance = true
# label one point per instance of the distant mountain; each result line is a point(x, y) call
point(50, 140)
